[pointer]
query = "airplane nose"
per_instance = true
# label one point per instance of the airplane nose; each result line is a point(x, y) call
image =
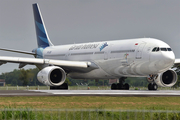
point(162, 61)
point(168, 59)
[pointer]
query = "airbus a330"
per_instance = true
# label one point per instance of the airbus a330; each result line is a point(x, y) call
point(143, 57)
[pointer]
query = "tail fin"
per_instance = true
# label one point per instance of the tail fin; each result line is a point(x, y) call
point(41, 33)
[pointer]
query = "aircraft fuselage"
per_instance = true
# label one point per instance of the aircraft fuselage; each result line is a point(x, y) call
point(115, 59)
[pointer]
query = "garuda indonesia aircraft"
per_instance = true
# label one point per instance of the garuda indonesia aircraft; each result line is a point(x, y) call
point(144, 57)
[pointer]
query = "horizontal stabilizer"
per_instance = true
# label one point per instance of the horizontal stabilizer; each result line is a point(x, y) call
point(17, 51)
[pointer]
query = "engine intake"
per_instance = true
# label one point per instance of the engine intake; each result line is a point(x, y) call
point(166, 79)
point(52, 76)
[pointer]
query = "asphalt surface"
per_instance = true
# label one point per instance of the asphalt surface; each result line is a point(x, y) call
point(137, 93)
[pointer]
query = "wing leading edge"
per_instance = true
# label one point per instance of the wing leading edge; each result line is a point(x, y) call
point(176, 62)
point(35, 61)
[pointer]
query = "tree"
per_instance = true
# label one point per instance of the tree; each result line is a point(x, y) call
point(24, 77)
point(67, 81)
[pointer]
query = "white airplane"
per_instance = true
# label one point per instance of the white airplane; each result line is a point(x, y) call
point(144, 57)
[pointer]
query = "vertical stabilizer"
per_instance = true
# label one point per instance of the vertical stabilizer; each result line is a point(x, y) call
point(41, 33)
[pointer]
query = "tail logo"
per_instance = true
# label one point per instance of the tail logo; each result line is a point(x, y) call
point(41, 33)
point(41, 28)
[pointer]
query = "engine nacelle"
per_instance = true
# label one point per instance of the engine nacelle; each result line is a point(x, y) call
point(166, 79)
point(52, 76)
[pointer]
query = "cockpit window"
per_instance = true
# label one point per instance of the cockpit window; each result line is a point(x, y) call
point(154, 49)
point(169, 49)
point(157, 49)
point(163, 49)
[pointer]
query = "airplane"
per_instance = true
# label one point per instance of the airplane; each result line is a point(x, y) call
point(142, 57)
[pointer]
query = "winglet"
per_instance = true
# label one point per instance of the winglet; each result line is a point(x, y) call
point(41, 33)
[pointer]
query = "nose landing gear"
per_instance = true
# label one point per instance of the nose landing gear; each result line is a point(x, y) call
point(152, 85)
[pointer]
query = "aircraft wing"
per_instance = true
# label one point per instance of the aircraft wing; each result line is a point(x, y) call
point(176, 62)
point(75, 65)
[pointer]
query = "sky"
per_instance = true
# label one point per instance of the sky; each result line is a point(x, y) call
point(79, 21)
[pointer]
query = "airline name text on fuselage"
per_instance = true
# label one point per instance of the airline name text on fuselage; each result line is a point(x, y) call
point(85, 46)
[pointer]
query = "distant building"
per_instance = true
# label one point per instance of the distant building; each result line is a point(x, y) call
point(2, 82)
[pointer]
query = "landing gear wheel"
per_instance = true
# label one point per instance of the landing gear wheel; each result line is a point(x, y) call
point(119, 86)
point(113, 86)
point(64, 86)
point(152, 86)
point(126, 86)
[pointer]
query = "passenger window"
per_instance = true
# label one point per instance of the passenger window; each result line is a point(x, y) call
point(169, 49)
point(163, 49)
point(154, 49)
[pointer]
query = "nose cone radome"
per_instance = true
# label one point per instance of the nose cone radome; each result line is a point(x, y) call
point(168, 59)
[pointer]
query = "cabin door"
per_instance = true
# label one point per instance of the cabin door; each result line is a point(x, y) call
point(140, 50)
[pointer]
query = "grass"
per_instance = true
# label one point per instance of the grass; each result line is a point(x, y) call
point(104, 107)
point(91, 102)
point(72, 114)
point(26, 106)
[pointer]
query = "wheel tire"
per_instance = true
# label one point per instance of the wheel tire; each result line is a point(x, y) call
point(119, 86)
point(154, 86)
point(64, 86)
point(150, 86)
point(51, 87)
point(113, 86)
point(126, 86)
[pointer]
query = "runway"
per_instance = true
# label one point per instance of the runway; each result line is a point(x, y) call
point(137, 93)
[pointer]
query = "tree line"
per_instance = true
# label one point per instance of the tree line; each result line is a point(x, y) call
point(22, 77)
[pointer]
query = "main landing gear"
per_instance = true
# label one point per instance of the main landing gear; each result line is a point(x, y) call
point(152, 85)
point(120, 85)
point(64, 86)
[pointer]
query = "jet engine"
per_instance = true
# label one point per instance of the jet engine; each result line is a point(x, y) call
point(52, 76)
point(166, 79)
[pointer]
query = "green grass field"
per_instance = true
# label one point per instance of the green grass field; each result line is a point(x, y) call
point(102, 108)
point(91, 102)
